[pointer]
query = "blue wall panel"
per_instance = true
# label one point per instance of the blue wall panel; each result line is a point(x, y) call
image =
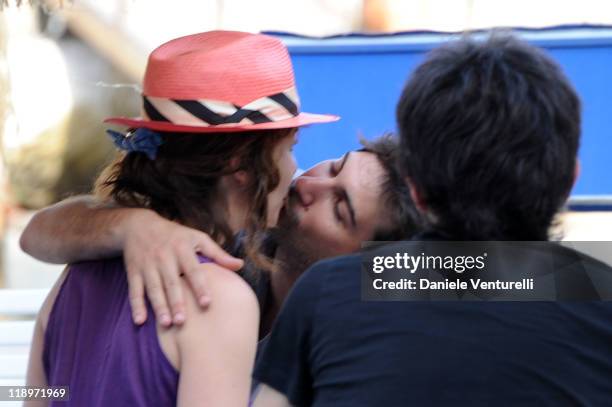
point(360, 78)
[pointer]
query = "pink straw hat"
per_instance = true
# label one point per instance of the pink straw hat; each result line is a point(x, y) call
point(220, 81)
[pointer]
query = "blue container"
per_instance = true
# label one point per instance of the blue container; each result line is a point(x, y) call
point(361, 77)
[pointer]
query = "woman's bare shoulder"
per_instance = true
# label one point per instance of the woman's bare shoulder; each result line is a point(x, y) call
point(231, 297)
point(230, 287)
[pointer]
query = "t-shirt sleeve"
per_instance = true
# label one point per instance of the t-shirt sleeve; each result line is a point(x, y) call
point(284, 360)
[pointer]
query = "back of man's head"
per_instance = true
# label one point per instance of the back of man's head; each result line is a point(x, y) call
point(489, 136)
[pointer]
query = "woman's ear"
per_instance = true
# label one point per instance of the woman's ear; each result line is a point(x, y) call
point(241, 178)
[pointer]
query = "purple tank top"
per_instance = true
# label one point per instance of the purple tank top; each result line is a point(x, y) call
point(92, 345)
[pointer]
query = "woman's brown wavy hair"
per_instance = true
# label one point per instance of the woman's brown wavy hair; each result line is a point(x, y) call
point(181, 183)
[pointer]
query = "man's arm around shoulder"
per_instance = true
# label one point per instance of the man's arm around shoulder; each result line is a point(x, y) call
point(76, 229)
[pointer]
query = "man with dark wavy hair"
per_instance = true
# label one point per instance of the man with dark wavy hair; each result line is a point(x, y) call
point(489, 136)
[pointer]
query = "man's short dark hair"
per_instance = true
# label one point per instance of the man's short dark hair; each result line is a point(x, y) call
point(399, 209)
point(489, 136)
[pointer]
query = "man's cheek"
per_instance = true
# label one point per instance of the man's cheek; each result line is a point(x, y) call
point(305, 222)
point(322, 231)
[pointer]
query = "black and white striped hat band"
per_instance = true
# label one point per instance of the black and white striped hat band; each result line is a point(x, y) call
point(280, 106)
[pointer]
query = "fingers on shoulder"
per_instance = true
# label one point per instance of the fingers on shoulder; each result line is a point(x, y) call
point(229, 291)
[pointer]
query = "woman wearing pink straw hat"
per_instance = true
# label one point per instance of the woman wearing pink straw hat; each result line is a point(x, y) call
point(212, 151)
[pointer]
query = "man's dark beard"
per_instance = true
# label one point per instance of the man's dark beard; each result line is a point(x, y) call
point(295, 252)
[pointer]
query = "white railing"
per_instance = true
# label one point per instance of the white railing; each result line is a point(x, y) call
point(18, 309)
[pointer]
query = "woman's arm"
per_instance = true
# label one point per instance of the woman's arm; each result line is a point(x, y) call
point(35, 375)
point(217, 347)
point(266, 396)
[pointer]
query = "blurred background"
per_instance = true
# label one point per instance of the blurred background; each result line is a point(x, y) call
point(66, 65)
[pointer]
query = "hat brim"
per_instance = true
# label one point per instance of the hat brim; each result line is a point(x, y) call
point(303, 119)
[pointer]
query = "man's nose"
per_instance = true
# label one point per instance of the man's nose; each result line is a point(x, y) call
point(312, 188)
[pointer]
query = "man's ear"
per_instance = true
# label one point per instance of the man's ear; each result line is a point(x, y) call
point(416, 196)
point(577, 169)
